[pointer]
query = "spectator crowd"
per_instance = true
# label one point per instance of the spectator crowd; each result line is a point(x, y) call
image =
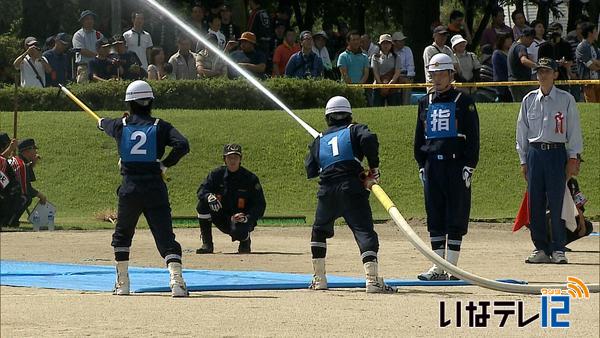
point(270, 47)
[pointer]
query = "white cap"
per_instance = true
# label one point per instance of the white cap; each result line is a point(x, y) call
point(440, 62)
point(138, 90)
point(398, 36)
point(338, 104)
point(456, 40)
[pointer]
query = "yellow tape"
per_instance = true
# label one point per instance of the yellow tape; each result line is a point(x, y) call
point(79, 103)
point(382, 197)
point(478, 84)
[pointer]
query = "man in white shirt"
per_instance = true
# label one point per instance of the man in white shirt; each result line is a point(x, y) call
point(84, 40)
point(138, 40)
point(407, 65)
point(32, 65)
point(440, 35)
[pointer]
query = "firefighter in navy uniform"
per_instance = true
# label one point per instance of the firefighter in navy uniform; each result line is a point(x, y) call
point(335, 157)
point(446, 148)
point(141, 140)
point(10, 189)
point(232, 198)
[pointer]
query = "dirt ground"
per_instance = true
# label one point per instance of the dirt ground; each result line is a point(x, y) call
point(489, 250)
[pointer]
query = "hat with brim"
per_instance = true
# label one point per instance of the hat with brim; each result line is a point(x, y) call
point(26, 144)
point(103, 43)
point(248, 36)
point(86, 13)
point(30, 41)
point(63, 38)
point(384, 38)
point(546, 63)
point(398, 36)
point(232, 148)
point(440, 30)
point(305, 35)
point(456, 40)
point(321, 33)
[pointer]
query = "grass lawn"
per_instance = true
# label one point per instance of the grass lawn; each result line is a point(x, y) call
point(79, 169)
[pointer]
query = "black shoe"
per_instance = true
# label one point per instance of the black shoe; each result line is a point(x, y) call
point(205, 249)
point(244, 247)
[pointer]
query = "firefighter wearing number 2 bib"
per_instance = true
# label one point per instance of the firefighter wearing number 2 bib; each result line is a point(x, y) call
point(335, 157)
point(446, 148)
point(141, 140)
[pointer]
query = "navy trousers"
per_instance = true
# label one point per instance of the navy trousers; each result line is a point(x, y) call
point(222, 220)
point(447, 199)
point(151, 199)
point(546, 179)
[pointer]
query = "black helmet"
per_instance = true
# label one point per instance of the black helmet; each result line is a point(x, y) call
point(232, 148)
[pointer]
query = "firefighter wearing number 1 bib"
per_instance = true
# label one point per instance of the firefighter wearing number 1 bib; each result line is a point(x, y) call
point(141, 140)
point(335, 157)
point(446, 148)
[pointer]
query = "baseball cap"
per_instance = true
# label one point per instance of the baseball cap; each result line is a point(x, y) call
point(249, 36)
point(385, 37)
point(398, 36)
point(64, 38)
point(456, 40)
point(440, 30)
point(320, 33)
point(232, 148)
point(546, 63)
point(86, 13)
point(528, 31)
point(27, 143)
point(102, 43)
point(30, 41)
point(305, 35)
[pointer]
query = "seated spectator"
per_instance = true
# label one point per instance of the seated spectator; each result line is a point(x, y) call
point(130, 66)
point(59, 61)
point(102, 68)
point(497, 27)
point(518, 18)
point(588, 61)
point(320, 48)
point(138, 40)
point(208, 63)
point(156, 68)
point(367, 46)
point(559, 50)
point(468, 64)
point(538, 40)
point(184, 61)
point(407, 65)
point(305, 64)
point(353, 63)
point(386, 70)
point(32, 65)
point(84, 40)
point(284, 52)
point(500, 66)
point(247, 56)
point(520, 65)
point(456, 26)
point(440, 35)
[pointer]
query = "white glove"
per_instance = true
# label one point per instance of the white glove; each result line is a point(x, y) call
point(239, 218)
point(213, 203)
point(467, 175)
point(162, 168)
point(422, 175)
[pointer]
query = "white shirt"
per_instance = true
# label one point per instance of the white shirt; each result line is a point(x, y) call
point(85, 40)
point(324, 55)
point(553, 118)
point(139, 43)
point(28, 77)
point(430, 51)
point(407, 61)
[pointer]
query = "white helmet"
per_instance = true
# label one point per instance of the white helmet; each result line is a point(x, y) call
point(138, 90)
point(338, 104)
point(440, 62)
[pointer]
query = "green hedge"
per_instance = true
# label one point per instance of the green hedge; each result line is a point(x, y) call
point(189, 94)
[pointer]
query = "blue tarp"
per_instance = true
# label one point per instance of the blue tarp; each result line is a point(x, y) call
point(101, 278)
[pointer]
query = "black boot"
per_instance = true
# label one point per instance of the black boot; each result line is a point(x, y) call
point(244, 247)
point(206, 234)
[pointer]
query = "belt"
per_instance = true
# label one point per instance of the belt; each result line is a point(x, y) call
point(548, 146)
point(442, 157)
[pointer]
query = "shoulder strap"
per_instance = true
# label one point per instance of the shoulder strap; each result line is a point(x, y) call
point(124, 120)
point(457, 97)
point(156, 122)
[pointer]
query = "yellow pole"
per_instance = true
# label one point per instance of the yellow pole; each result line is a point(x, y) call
point(78, 102)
